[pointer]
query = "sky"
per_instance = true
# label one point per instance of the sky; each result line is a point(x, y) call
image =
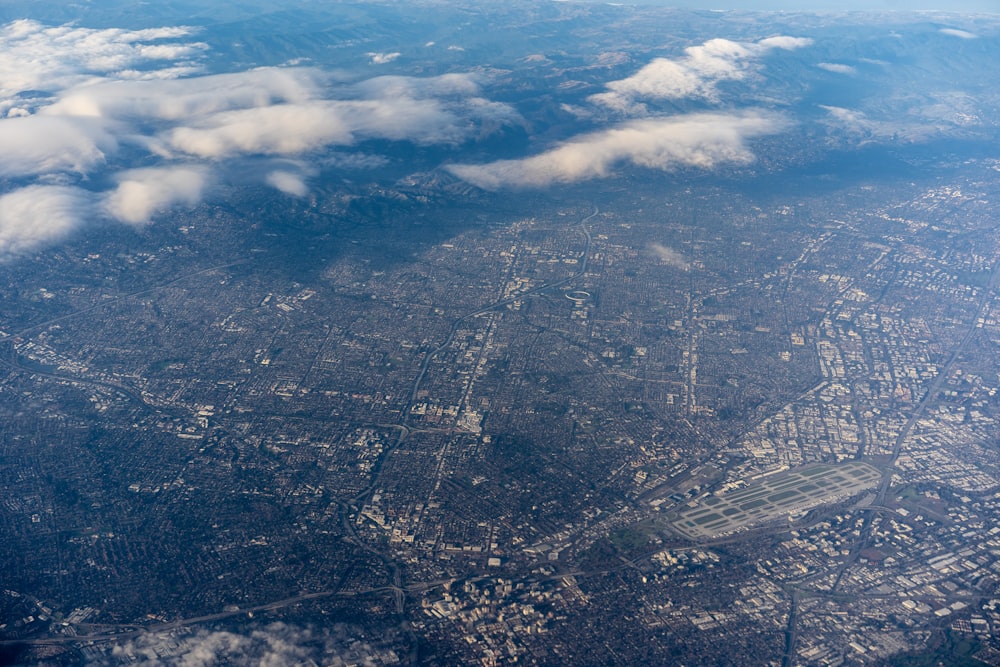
point(991, 6)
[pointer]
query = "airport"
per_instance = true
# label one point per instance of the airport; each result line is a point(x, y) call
point(775, 496)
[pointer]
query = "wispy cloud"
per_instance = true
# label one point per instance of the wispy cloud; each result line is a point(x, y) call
point(698, 140)
point(963, 34)
point(287, 182)
point(446, 85)
point(669, 256)
point(837, 68)
point(694, 75)
point(274, 645)
point(270, 645)
point(352, 161)
point(383, 58)
point(944, 114)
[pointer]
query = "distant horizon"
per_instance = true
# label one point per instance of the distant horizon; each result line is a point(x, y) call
point(954, 6)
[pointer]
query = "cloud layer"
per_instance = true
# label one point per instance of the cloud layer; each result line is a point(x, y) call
point(35, 57)
point(72, 100)
point(703, 141)
point(696, 140)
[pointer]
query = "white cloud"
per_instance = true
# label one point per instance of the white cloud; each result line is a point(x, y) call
point(279, 129)
point(660, 79)
point(40, 144)
point(71, 98)
point(837, 68)
point(785, 42)
point(35, 56)
point(290, 129)
point(669, 256)
point(141, 193)
point(273, 645)
point(383, 58)
point(844, 115)
point(282, 111)
point(428, 110)
point(39, 214)
point(287, 182)
point(186, 98)
point(422, 121)
point(963, 34)
point(697, 140)
point(694, 75)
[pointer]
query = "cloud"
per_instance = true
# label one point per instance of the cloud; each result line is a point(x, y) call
point(291, 129)
point(860, 129)
point(34, 56)
point(73, 99)
point(784, 42)
point(143, 192)
point(283, 111)
point(445, 85)
point(184, 99)
point(383, 58)
point(947, 114)
point(669, 256)
point(356, 160)
point(39, 214)
point(281, 129)
point(698, 140)
point(287, 182)
point(203, 649)
point(963, 34)
point(273, 645)
point(837, 68)
point(844, 115)
point(41, 144)
point(694, 75)
point(422, 110)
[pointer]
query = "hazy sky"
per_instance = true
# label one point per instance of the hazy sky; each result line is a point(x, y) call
point(992, 6)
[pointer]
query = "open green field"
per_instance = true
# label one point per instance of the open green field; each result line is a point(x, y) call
point(776, 496)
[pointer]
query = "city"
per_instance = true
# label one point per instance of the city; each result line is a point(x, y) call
point(728, 396)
